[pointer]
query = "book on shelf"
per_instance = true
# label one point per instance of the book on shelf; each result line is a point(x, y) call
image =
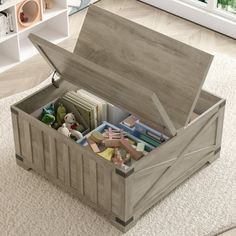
point(6, 23)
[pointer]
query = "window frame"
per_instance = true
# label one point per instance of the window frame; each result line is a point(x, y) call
point(206, 14)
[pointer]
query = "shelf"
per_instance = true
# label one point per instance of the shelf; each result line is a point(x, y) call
point(28, 49)
point(8, 36)
point(51, 25)
point(48, 30)
point(50, 13)
point(10, 10)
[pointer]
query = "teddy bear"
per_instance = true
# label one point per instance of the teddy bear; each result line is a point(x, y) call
point(72, 125)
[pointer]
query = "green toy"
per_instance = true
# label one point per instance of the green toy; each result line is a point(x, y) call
point(48, 119)
point(61, 112)
point(49, 115)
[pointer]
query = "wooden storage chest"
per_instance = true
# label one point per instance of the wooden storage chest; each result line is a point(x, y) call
point(145, 73)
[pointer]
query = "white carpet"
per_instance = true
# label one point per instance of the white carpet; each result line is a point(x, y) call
point(203, 205)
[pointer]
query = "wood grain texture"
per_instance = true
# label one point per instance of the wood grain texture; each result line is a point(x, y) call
point(16, 134)
point(104, 176)
point(80, 171)
point(110, 86)
point(37, 148)
point(23, 76)
point(90, 178)
point(174, 71)
point(96, 180)
point(187, 150)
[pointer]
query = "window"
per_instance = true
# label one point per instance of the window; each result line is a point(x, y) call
point(227, 5)
point(219, 15)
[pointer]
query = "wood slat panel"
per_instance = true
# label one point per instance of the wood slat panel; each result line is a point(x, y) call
point(66, 164)
point(60, 163)
point(46, 145)
point(53, 156)
point(171, 69)
point(22, 135)
point(104, 187)
point(220, 122)
point(16, 133)
point(90, 178)
point(37, 148)
point(118, 195)
point(76, 168)
point(186, 159)
point(139, 210)
point(144, 180)
point(173, 147)
point(28, 142)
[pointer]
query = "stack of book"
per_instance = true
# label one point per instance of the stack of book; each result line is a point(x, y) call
point(6, 23)
point(91, 108)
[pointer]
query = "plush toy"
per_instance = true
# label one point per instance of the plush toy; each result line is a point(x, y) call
point(73, 134)
point(72, 125)
point(49, 110)
point(61, 112)
point(63, 130)
point(48, 119)
point(48, 115)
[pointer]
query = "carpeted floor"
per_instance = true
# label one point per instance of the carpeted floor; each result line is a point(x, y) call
point(203, 205)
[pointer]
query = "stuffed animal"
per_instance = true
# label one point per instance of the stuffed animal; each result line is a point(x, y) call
point(61, 112)
point(63, 130)
point(73, 134)
point(48, 115)
point(71, 124)
point(48, 119)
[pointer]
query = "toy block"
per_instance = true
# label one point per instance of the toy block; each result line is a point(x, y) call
point(112, 142)
point(93, 145)
point(128, 147)
point(97, 137)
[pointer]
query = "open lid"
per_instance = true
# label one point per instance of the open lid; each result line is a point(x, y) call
point(146, 73)
point(174, 71)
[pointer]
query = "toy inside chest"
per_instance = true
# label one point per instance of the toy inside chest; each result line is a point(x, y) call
point(102, 128)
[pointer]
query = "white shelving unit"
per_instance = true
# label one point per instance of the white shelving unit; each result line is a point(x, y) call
point(53, 25)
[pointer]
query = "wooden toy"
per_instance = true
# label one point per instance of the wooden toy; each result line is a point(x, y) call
point(114, 134)
point(162, 98)
point(93, 145)
point(128, 147)
point(117, 159)
point(112, 142)
point(107, 154)
point(97, 137)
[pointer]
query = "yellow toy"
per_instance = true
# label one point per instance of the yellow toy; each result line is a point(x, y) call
point(107, 154)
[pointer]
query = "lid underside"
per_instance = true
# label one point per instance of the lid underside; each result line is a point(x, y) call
point(174, 71)
point(144, 72)
point(111, 87)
